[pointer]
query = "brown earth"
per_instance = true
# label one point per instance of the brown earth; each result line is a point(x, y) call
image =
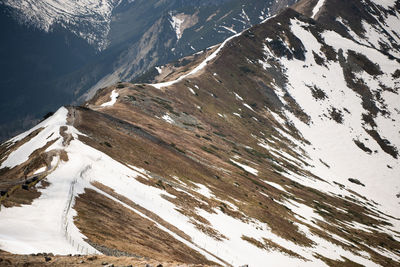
point(7, 259)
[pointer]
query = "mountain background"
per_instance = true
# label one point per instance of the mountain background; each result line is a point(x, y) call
point(279, 145)
point(60, 52)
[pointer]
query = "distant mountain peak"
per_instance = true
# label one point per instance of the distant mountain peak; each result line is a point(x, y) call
point(88, 19)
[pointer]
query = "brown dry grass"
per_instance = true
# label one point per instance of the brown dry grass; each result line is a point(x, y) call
point(174, 70)
point(17, 192)
point(24, 196)
point(110, 224)
point(8, 148)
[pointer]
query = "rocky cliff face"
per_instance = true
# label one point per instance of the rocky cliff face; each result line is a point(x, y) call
point(280, 145)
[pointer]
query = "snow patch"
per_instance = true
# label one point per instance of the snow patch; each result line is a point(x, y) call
point(192, 91)
point(176, 24)
point(317, 8)
point(51, 127)
point(203, 190)
point(159, 70)
point(246, 168)
point(201, 66)
point(114, 96)
point(168, 119)
point(277, 186)
point(40, 170)
point(238, 97)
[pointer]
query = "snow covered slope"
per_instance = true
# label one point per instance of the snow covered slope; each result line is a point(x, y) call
point(281, 145)
point(89, 19)
point(371, 22)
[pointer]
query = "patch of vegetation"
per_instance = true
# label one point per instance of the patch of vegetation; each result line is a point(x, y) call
point(339, 263)
point(278, 168)
point(258, 154)
point(396, 74)
point(130, 98)
point(326, 164)
point(369, 119)
point(317, 93)
point(336, 115)
point(216, 148)
point(339, 184)
point(355, 181)
point(237, 166)
point(208, 150)
point(219, 134)
point(253, 242)
point(160, 184)
point(165, 104)
point(280, 49)
point(366, 64)
point(319, 60)
point(274, 246)
point(383, 143)
point(177, 148)
point(207, 138)
point(362, 146)
point(296, 185)
point(181, 63)
point(246, 69)
point(236, 152)
point(107, 144)
point(329, 52)
point(189, 124)
point(147, 77)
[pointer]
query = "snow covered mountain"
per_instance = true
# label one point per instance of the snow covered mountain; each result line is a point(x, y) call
point(89, 19)
point(63, 49)
point(280, 146)
point(92, 19)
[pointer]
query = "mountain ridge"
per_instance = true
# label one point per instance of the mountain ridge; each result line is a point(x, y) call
point(280, 146)
point(130, 25)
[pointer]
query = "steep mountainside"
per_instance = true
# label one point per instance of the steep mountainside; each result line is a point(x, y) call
point(89, 19)
point(34, 72)
point(57, 51)
point(279, 146)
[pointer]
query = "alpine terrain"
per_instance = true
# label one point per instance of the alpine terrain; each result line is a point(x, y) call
point(56, 52)
point(278, 147)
